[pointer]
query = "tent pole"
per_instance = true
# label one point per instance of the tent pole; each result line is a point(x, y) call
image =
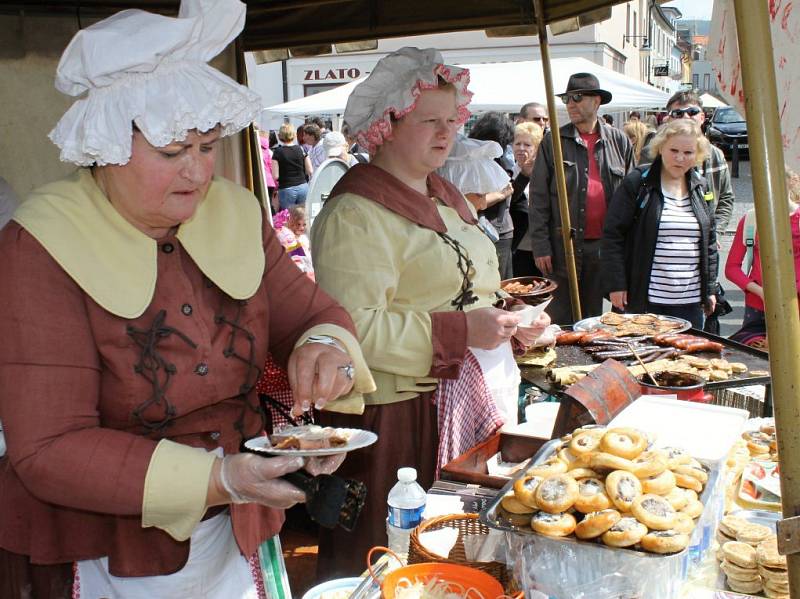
point(248, 134)
point(775, 245)
point(558, 163)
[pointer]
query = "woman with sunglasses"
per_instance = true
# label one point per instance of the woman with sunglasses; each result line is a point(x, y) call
point(659, 244)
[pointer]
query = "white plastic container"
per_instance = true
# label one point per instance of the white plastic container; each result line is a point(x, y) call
point(704, 431)
point(406, 504)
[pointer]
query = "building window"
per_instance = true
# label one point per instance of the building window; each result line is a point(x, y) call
point(696, 81)
point(627, 22)
point(635, 29)
point(707, 81)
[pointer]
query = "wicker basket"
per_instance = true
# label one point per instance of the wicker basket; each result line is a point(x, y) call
point(466, 524)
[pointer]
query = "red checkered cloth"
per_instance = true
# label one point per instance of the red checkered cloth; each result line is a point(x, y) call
point(274, 382)
point(467, 412)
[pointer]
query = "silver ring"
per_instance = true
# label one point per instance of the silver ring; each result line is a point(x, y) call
point(348, 371)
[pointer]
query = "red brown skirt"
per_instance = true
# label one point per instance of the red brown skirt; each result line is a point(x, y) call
point(407, 436)
point(20, 579)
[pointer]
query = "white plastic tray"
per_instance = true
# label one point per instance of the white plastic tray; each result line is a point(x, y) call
point(705, 431)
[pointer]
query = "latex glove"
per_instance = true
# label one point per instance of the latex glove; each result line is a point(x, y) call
point(315, 375)
point(249, 478)
point(324, 465)
point(532, 336)
point(489, 327)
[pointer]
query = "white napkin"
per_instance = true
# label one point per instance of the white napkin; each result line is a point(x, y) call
point(441, 505)
point(439, 542)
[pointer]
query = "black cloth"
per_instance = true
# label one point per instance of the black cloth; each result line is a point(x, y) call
point(590, 287)
point(503, 249)
point(291, 165)
point(518, 208)
point(631, 233)
point(614, 155)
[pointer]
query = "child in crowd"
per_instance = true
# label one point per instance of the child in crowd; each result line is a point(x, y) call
point(743, 267)
point(290, 225)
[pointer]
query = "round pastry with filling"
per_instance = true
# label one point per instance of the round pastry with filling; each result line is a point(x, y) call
point(664, 541)
point(626, 443)
point(524, 489)
point(623, 488)
point(553, 525)
point(653, 511)
point(556, 494)
point(595, 524)
point(625, 532)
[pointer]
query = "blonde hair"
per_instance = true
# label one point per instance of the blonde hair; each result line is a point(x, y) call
point(677, 127)
point(636, 131)
point(792, 185)
point(287, 132)
point(532, 130)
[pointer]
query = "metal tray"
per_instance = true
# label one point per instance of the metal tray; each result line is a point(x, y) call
point(593, 322)
point(573, 355)
point(491, 517)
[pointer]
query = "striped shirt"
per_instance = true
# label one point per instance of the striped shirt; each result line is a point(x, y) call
point(675, 274)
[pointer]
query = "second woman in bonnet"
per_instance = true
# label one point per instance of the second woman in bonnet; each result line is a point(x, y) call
point(141, 296)
point(400, 248)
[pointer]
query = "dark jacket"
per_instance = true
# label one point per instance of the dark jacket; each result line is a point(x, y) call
point(631, 233)
point(614, 156)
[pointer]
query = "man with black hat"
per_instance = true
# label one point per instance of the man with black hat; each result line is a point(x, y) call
point(596, 157)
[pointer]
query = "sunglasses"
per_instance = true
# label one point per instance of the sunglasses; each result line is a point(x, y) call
point(539, 119)
point(677, 113)
point(575, 97)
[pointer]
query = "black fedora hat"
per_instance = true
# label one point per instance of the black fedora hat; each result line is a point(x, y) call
point(586, 83)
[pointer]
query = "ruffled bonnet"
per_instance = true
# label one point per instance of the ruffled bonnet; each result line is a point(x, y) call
point(151, 70)
point(471, 166)
point(393, 87)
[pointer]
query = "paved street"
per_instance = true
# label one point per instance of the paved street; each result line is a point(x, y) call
point(743, 190)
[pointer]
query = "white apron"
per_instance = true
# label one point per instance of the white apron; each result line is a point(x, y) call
point(215, 570)
point(501, 374)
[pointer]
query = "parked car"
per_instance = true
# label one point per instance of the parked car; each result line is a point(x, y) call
point(727, 127)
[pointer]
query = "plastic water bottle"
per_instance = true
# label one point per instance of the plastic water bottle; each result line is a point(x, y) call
point(406, 504)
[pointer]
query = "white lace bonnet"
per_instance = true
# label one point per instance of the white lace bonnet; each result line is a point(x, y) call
point(471, 166)
point(151, 70)
point(393, 87)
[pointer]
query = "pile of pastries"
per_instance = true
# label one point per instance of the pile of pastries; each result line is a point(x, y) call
point(749, 557)
point(607, 485)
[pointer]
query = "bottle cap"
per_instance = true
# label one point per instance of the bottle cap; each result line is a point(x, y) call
point(406, 475)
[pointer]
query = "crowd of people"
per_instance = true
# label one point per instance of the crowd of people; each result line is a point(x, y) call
point(132, 348)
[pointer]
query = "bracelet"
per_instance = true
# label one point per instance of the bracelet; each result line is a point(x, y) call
point(326, 340)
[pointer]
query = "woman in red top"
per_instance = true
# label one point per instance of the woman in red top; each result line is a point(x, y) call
point(751, 282)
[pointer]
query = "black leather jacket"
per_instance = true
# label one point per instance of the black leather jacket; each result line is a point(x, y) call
point(631, 233)
point(614, 155)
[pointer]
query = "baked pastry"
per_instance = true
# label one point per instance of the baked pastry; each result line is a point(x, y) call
point(653, 511)
point(553, 525)
point(733, 571)
point(624, 533)
point(740, 586)
point(595, 524)
point(768, 556)
point(585, 441)
point(566, 456)
point(556, 493)
point(661, 484)
point(759, 446)
point(524, 489)
point(592, 496)
point(741, 554)
point(626, 443)
point(650, 463)
point(678, 499)
point(730, 524)
point(607, 461)
point(548, 468)
point(622, 488)
point(697, 472)
point(519, 520)
point(664, 541)
point(676, 456)
point(683, 523)
point(511, 504)
point(774, 576)
point(693, 509)
point(688, 482)
point(753, 534)
point(581, 473)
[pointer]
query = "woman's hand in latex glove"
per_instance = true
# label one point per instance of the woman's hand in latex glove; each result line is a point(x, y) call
point(248, 478)
point(529, 335)
point(489, 327)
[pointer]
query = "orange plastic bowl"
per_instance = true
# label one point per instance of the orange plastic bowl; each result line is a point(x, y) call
point(464, 576)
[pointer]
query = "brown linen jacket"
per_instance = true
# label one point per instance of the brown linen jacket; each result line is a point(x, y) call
point(82, 420)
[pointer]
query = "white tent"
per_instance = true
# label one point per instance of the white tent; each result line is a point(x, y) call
point(504, 86)
point(710, 101)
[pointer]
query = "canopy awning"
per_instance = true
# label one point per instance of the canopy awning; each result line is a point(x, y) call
point(710, 101)
point(490, 84)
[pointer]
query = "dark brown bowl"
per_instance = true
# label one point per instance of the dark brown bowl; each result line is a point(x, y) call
point(543, 289)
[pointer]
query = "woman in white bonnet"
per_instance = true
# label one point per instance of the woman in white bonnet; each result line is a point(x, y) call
point(141, 296)
point(400, 248)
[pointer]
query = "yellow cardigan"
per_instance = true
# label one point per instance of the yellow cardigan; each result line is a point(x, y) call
point(390, 274)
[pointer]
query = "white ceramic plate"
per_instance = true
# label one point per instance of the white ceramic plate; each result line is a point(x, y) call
point(332, 587)
point(357, 439)
point(592, 323)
